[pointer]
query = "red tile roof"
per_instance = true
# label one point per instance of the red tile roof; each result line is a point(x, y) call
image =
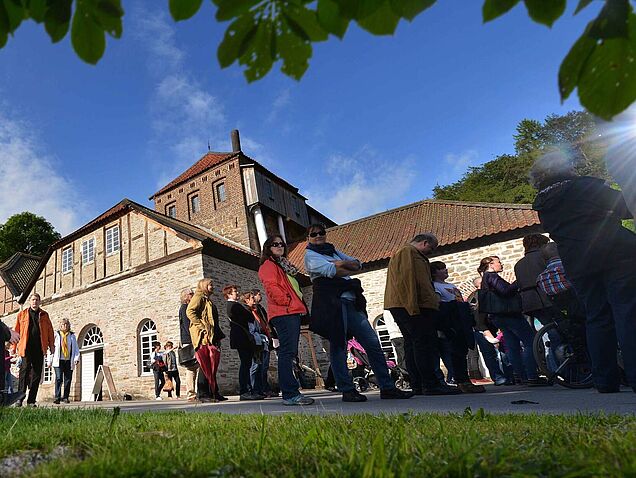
point(377, 237)
point(206, 162)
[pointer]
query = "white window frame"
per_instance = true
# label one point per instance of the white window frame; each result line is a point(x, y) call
point(385, 339)
point(169, 207)
point(113, 242)
point(147, 335)
point(67, 262)
point(48, 375)
point(217, 190)
point(194, 209)
point(88, 246)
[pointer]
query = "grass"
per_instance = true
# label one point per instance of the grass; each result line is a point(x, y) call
point(179, 444)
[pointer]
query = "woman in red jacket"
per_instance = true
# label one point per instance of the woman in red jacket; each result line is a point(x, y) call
point(284, 308)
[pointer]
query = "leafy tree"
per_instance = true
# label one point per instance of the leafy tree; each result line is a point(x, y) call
point(26, 232)
point(263, 32)
point(505, 178)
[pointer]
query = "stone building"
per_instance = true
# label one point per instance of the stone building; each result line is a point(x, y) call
point(118, 278)
point(236, 197)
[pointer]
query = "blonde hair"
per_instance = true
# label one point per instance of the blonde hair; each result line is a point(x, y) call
point(203, 284)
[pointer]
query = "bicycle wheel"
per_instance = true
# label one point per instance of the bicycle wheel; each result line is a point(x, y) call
point(558, 362)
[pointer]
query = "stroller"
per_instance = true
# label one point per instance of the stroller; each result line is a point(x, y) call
point(363, 376)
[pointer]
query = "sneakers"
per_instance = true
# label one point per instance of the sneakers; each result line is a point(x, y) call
point(442, 390)
point(353, 397)
point(66, 400)
point(251, 396)
point(158, 398)
point(299, 400)
point(56, 401)
point(395, 393)
point(501, 381)
point(470, 387)
point(8, 399)
point(220, 398)
point(32, 405)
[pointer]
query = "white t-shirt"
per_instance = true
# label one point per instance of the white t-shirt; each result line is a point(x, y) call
point(448, 292)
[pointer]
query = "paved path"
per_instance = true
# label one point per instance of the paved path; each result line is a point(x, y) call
point(497, 400)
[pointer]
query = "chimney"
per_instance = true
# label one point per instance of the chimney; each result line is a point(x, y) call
point(236, 141)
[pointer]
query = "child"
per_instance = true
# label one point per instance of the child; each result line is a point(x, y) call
point(173, 371)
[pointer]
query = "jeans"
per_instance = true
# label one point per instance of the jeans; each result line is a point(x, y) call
point(245, 356)
point(518, 337)
point(609, 299)
point(446, 354)
point(288, 329)
point(8, 382)
point(258, 374)
point(160, 381)
point(31, 372)
point(63, 372)
point(357, 325)
point(489, 352)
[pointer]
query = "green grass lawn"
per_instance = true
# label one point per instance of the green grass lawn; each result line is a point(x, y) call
point(99, 443)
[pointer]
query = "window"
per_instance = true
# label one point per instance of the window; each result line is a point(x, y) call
point(93, 338)
point(385, 339)
point(88, 251)
point(269, 189)
point(67, 260)
point(112, 239)
point(147, 335)
point(220, 192)
point(195, 203)
point(47, 370)
point(171, 211)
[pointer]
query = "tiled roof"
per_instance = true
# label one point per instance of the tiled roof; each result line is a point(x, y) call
point(377, 237)
point(17, 271)
point(206, 162)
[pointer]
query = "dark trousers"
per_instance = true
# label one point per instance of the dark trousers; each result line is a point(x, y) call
point(176, 381)
point(245, 356)
point(518, 338)
point(420, 346)
point(31, 373)
point(609, 299)
point(63, 373)
point(398, 345)
point(160, 381)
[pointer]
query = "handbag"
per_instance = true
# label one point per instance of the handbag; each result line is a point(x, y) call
point(169, 386)
point(186, 356)
point(489, 302)
point(159, 366)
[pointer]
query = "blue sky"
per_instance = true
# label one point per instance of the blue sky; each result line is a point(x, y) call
point(375, 123)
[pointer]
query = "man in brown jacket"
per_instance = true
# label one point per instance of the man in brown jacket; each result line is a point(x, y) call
point(36, 335)
point(410, 297)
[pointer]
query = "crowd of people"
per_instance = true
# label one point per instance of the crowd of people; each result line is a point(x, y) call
point(586, 279)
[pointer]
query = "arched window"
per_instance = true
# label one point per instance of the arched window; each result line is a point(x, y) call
point(385, 340)
point(147, 335)
point(93, 338)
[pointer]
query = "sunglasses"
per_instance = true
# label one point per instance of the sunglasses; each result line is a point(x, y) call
point(278, 244)
point(319, 233)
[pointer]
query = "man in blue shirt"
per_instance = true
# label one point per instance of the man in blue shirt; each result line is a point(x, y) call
point(339, 312)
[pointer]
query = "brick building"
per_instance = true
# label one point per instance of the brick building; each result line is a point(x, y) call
point(118, 278)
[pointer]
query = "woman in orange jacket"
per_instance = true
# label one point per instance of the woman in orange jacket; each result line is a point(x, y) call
point(285, 306)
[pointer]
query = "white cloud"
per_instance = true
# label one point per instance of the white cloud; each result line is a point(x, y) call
point(29, 180)
point(362, 184)
point(456, 165)
point(281, 102)
point(185, 117)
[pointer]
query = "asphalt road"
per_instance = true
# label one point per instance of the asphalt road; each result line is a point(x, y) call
point(547, 400)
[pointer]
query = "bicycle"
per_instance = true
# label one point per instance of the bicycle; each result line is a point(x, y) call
point(563, 363)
